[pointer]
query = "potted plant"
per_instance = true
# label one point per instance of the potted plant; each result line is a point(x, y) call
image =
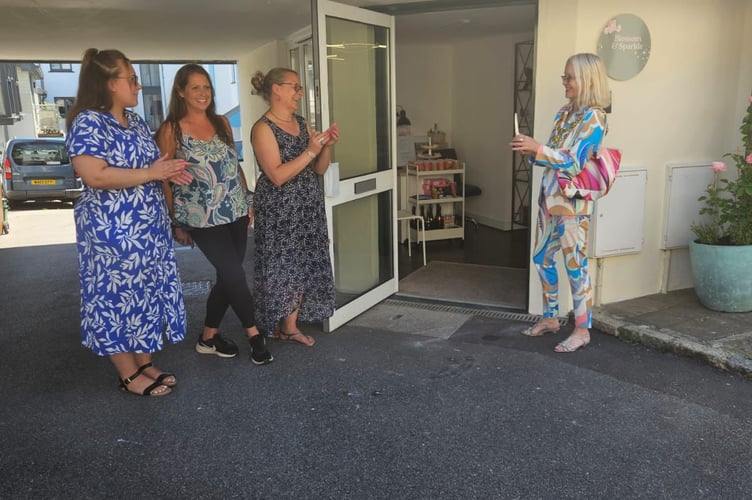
point(721, 256)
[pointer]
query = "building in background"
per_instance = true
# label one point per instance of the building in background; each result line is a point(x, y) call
point(44, 92)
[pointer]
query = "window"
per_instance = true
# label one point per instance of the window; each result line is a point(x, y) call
point(149, 75)
point(151, 90)
point(60, 68)
point(10, 97)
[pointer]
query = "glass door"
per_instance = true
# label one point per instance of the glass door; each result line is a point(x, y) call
point(354, 66)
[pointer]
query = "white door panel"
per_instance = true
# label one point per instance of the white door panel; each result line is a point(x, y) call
point(354, 57)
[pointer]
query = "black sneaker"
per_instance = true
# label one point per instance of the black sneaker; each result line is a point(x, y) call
point(217, 345)
point(260, 355)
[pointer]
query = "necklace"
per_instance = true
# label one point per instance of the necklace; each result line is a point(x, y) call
point(281, 119)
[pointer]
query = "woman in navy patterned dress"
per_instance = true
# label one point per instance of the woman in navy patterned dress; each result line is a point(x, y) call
point(293, 275)
point(214, 210)
point(130, 289)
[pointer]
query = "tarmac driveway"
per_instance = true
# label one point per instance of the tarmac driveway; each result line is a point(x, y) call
point(369, 412)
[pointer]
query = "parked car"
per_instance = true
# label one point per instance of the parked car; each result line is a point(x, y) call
point(38, 169)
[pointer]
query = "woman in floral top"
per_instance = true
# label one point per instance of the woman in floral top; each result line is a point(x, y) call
point(214, 210)
point(563, 223)
point(130, 289)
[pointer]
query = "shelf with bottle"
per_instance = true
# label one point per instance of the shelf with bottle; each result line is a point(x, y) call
point(441, 166)
point(427, 200)
point(436, 194)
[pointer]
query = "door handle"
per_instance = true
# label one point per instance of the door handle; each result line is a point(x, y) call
point(365, 186)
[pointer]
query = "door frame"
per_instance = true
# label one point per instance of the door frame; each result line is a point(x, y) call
point(385, 180)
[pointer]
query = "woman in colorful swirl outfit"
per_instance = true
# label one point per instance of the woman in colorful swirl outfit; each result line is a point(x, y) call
point(563, 223)
point(130, 288)
point(214, 210)
point(293, 273)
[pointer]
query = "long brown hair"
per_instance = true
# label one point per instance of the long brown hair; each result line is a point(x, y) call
point(98, 67)
point(178, 109)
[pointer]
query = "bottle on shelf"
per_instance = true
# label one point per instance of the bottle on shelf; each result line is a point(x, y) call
point(439, 218)
point(429, 218)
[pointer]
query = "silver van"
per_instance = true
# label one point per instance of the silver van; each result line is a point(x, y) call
point(38, 169)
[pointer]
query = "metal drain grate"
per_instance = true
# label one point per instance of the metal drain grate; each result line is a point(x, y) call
point(196, 287)
point(462, 309)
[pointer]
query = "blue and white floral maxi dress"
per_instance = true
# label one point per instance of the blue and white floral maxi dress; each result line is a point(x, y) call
point(131, 295)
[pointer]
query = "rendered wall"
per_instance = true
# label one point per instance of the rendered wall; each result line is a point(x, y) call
point(467, 88)
point(252, 107)
point(684, 107)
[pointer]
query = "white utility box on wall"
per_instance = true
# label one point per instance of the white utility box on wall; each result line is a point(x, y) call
point(685, 183)
point(618, 222)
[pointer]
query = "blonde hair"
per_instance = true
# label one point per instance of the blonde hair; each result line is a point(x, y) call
point(263, 83)
point(592, 81)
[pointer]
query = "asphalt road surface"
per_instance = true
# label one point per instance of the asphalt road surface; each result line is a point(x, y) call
point(368, 412)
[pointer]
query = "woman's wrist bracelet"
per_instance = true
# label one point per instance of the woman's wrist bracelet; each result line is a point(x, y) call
point(311, 154)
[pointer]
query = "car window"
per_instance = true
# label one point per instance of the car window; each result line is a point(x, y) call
point(37, 153)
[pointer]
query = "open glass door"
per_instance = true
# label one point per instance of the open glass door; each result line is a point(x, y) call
point(354, 57)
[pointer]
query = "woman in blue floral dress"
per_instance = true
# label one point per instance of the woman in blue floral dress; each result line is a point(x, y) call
point(293, 273)
point(214, 210)
point(131, 297)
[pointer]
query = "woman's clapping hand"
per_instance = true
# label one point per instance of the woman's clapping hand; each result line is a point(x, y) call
point(172, 170)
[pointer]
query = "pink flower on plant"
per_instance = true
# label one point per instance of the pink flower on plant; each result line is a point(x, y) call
point(718, 166)
point(748, 159)
point(750, 99)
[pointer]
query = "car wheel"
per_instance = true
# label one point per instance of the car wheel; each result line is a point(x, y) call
point(15, 204)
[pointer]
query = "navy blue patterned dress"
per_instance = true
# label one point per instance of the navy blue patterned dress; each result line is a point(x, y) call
point(130, 288)
point(292, 245)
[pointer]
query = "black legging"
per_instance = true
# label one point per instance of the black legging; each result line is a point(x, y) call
point(224, 246)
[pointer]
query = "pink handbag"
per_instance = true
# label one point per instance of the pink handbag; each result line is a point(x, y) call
point(595, 179)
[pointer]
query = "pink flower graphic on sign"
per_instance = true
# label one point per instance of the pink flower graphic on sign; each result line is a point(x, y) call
point(612, 27)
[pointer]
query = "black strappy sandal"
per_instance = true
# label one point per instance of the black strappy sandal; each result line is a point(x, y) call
point(161, 378)
point(148, 391)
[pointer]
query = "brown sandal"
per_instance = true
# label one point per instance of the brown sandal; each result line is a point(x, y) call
point(297, 337)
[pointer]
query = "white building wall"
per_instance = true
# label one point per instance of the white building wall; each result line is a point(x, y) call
point(65, 84)
point(467, 87)
point(252, 107)
point(27, 126)
point(684, 107)
point(483, 124)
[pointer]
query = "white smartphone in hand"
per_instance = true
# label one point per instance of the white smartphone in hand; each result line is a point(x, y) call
point(516, 126)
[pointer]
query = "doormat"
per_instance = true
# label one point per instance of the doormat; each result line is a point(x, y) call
point(468, 283)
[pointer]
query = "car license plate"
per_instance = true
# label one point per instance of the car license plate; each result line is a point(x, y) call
point(38, 182)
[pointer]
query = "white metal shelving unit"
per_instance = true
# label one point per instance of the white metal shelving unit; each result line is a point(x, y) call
point(453, 206)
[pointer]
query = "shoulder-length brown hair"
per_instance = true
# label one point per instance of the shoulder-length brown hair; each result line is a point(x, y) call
point(178, 109)
point(98, 67)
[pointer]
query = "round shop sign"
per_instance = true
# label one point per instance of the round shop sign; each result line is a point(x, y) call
point(624, 46)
